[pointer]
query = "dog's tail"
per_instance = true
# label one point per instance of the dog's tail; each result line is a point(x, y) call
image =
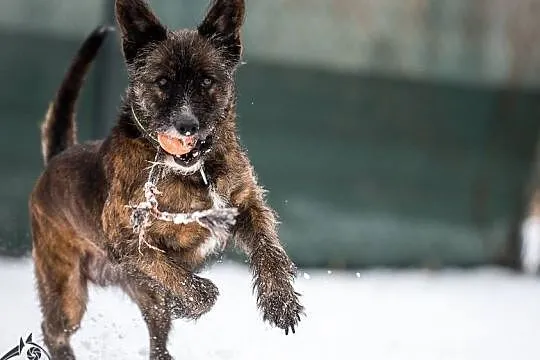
point(58, 131)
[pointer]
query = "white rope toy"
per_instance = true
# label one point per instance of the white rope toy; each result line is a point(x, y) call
point(216, 220)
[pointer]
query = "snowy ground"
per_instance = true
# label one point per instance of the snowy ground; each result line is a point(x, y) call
point(481, 314)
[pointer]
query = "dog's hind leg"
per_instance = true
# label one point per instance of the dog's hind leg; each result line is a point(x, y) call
point(62, 289)
point(152, 302)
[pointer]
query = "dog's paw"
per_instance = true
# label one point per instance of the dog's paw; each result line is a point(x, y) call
point(281, 308)
point(199, 297)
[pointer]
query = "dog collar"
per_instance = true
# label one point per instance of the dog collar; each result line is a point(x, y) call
point(155, 142)
point(145, 132)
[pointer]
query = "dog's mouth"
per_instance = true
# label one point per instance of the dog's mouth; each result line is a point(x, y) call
point(186, 150)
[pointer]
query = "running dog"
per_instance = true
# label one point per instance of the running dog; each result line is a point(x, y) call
point(178, 119)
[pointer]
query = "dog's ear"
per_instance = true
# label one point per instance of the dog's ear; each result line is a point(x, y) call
point(222, 26)
point(138, 25)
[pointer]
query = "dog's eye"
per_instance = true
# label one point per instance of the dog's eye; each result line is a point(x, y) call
point(162, 82)
point(206, 82)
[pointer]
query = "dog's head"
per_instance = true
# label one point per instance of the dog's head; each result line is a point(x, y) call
point(181, 83)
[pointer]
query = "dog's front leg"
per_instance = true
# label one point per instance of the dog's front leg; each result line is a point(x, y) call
point(189, 296)
point(273, 271)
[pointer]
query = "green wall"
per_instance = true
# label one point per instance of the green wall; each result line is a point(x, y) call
point(372, 170)
point(364, 168)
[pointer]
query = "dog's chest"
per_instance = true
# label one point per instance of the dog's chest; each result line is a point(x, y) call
point(213, 243)
point(191, 200)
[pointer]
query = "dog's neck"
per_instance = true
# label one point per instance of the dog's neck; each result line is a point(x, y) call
point(142, 129)
point(126, 123)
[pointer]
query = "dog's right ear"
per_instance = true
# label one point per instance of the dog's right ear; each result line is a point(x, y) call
point(138, 25)
point(222, 26)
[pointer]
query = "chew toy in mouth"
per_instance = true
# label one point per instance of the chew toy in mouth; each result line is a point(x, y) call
point(176, 146)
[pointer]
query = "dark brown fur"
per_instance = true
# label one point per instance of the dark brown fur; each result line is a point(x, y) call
point(80, 225)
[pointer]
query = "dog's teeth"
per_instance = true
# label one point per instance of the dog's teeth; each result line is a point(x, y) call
point(196, 153)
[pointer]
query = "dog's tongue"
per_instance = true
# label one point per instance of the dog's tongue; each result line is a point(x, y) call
point(176, 146)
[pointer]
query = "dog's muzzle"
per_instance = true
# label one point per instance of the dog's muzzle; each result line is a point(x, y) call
point(200, 148)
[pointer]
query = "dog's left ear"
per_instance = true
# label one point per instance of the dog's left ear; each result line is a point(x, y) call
point(139, 26)
point(222, 26)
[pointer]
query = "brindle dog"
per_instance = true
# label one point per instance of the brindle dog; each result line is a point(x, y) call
point(181, 85)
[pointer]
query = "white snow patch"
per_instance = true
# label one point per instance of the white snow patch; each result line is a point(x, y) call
point(530, 249)
point(385, 315)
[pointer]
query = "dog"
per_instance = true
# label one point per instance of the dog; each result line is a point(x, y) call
point(177, 115)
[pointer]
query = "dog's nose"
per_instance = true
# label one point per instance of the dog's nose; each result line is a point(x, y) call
point(187, 125)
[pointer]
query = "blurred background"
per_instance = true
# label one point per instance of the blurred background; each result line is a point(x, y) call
point(411, 124)
point(390, 133)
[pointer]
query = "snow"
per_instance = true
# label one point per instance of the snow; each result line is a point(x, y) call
point(530, 251)
point(454, 314)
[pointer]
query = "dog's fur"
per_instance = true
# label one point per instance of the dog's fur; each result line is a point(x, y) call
point(80, 223)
